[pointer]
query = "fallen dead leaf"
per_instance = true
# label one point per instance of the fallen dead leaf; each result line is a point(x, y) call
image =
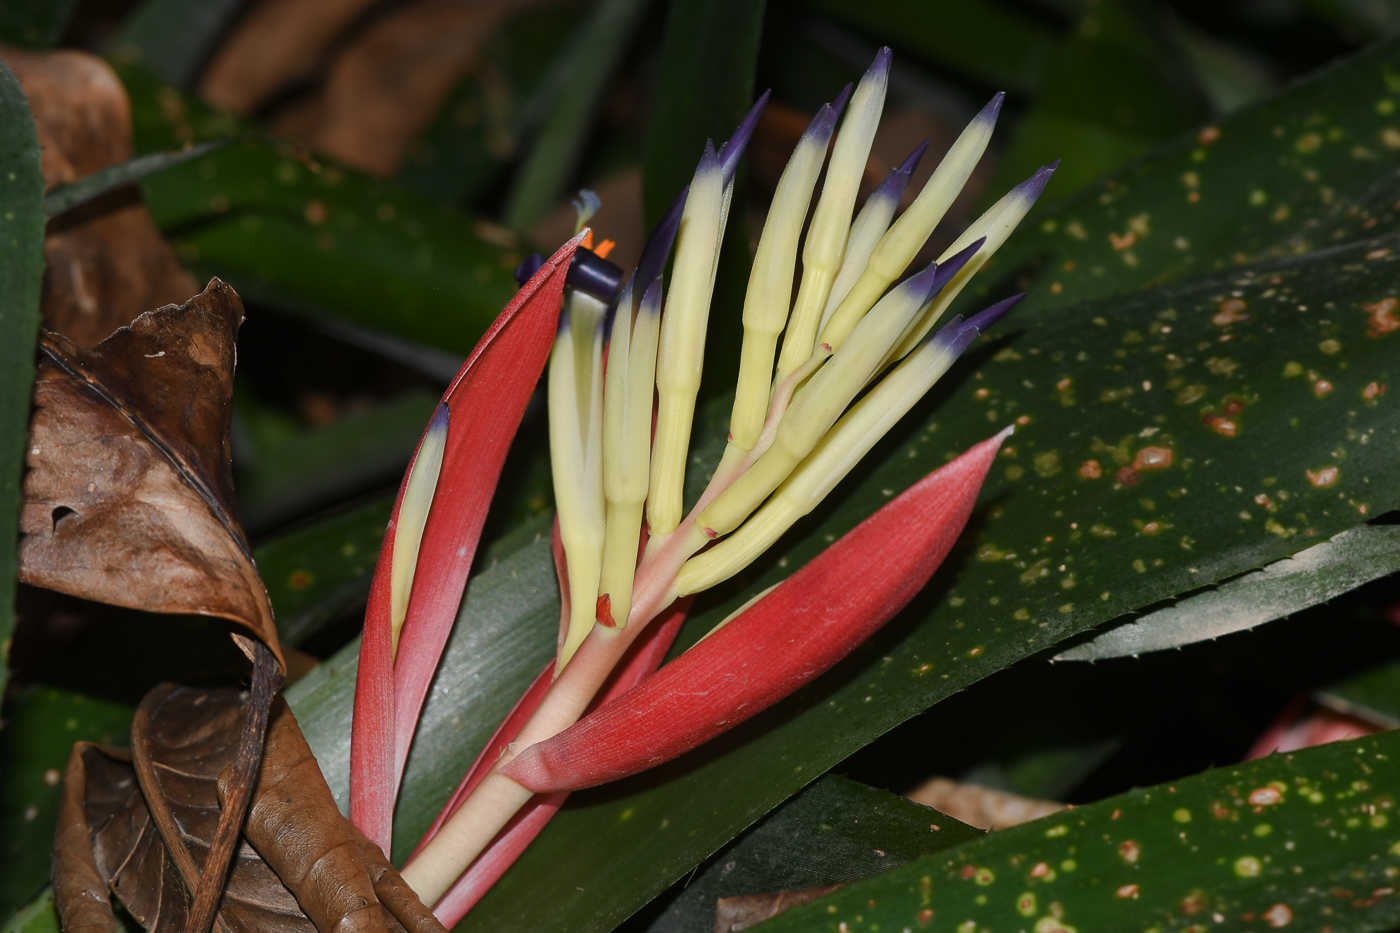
point(981, 806)
point(137, 824)
point(276, 45)
point(739, 913)
point(106, 262)
point(388, 81)
point(128, 497)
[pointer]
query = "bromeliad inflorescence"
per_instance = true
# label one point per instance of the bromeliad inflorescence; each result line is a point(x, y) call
point(822, 378)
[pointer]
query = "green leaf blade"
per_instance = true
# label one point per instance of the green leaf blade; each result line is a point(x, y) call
point(21, 274)
point(1309, 168)
point(1303, 840)
point(1305, 579)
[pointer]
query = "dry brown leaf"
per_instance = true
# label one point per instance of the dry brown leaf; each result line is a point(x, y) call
point(128, 497)
point(739, 913)
point(129, 500)
point(127, 823)
point(981, 806)
point(105, 263)
point(389, 80)
point(276, 45)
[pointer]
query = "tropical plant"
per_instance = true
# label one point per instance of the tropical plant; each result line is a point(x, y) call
point(1203, 444)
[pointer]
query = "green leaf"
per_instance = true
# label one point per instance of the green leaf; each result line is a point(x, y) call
point(706, 86)
point(99, 183)
point(1305, 579)
point(1113, 91)
point(1372, 694)
point(835, 831)
point(1101, 382)
point(987, 40)
point(505, 634)
point(1304, 841)
point(1372, 18)
point(172, 38)
point(318, 572)
point(1003, 596)
point(35, 24)
point(38, 916)
point(1312, 167)
point(317, 467)
point(42, 725)
point(21, 272)
point(319, 238)
point(582, 74)
point(468, 149)
point(708, 62)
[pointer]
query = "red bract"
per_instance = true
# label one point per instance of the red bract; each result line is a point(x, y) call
point(789, 637)
point(641, 661)
point(486, 402)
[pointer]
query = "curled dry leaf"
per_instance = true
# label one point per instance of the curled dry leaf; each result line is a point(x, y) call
point(389, 80)
point(981, 806)
point(128, 498)
point(105, 263)
point(138, 824)
point(739, 913)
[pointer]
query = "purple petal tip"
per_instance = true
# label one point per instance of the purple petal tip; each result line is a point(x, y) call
point(883, 58)
point(527, 268)
point(659, 244)
point(440, 419)
point(839, 103)
point(953, 264)
point(993, 108)
point(898, 177)
point(982, 321)
point(733, 149)
point(914, 157)
point(651, 301)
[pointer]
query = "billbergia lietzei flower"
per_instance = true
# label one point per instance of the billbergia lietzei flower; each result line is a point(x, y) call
point(822, 377)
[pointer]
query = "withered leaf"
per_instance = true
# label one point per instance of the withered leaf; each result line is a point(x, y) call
point(127, 822)
point(105, 263)
point(128, 498)
point(739, 913)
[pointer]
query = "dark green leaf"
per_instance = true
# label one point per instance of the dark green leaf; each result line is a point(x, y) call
point(317, 572)
point(172, 38)
point(317, 467)
point(316, 237)
point(21, 272)
point(1229, 77)
point(1304, 841)
point(705, 87)
point(1312, 167)
point(582, 73)
point(1113, 91)
point(987, 40)
point(1372, 18)
point(1003, 595)
point(42, 725)
point(1373, 694)
point(34, 24)
point(835, 831)
point(99, 183)
point(505, 634)
point(38, 916)
point(1307, 578)
point(470, 145)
